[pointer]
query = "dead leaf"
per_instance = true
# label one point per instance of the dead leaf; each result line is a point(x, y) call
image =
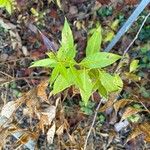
point(71, 138)
point(110, 101)
point(26, 138)
point(3, 135)
point(104, 1)
point(136, 132)
point(51, 133)
point(131, 111)
point(121, 103)
point(60, 130)
point(131, 2)
point(50, 112)
point(145, 128)
point(41, 90)
point(107, 105)
point(10, 107)
point(46, 116)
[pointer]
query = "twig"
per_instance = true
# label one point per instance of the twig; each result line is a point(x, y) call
point(94, 119)
point(1, 72)
point(14, 60)
point(127, 49)
point(24, 78)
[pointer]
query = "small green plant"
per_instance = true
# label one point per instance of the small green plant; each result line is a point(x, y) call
point(88, 109)
point(136, 117)
point(105, 11)
point(8, 5)
point(89, 75)
point(101, 118)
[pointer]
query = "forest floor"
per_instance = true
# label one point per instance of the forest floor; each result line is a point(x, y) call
point(32, 118)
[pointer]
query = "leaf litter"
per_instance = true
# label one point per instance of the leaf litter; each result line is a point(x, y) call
point(35, 118)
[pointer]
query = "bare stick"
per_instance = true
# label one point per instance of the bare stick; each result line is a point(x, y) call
point(94, 119)
point(127, 49)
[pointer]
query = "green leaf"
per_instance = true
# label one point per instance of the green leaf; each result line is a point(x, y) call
point(102, 91)
point(99, 60)
point(134, 65)
point(8, 4)
point(94, 43)
point(67, 37)
point(66, 54)
point(62, 70)
point(109, 82)
point(62, 83)
point(47, 62)
point(87, 86)
point(67, 51)
point(76, 77)
point(54, 74)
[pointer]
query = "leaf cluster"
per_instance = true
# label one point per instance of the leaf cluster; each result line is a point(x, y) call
point(89, 74)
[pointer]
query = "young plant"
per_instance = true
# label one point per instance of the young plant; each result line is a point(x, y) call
point(89, 75)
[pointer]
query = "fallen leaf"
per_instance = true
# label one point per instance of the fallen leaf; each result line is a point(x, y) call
point(71, 138)
point(46, 116)
point(145, 128)
point(41, 90)
point(104, 1)
point(131, 2)
point(50, 112)
point(3, 135)
point(51, 133)
point(121, 103)
point(130, 111)
point(136, 132)
point(9, 108)
point(60, 130)
point(107, 105)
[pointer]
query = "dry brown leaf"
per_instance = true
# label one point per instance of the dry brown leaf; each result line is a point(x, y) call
point(130, 111)
point(121, 103)
point(46, 116)
point(3, 135)
point(131, 2)
point(43, 122)
point(145, 128)
point(71, 138)
point(41, 90)
point(104, 1)
point(107, 105)
point(110, 101)
point(26, 137)
point(136, 132)
point(51, 133)
point(60, 130)
point(50, 112)
point(10, 107)
point(32, 101)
